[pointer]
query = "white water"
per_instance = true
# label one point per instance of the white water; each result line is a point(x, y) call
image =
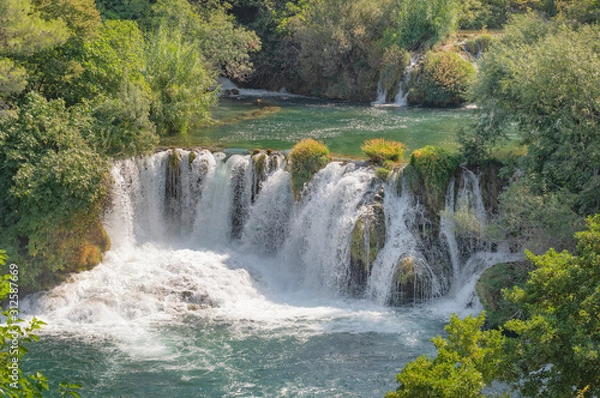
point(402, 96)
point(400, 243)
point(381, 94)
point(225, 235)
point(207, 247)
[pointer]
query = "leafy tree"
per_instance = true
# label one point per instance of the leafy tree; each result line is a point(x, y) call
point(81, 16)
point(466, 362)
point(535, 221)
point(225, 47)
point(586, 11)
point(540, 81)
point(558, 349)
point(425, 23)
point(275, 65)
point(23, 32)
point(180, 82)
point(339, 45)
point(55, 187)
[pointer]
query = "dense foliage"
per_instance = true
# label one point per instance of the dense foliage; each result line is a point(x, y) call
point(54, 187)
point(444, 80)
point(467, 360)
point(557, 345)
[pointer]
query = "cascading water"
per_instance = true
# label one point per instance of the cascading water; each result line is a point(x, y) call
point(215, 266)
point(400, 245)
point(403, 87)
point(381, 94)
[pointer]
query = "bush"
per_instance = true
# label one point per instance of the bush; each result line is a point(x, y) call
point(445, 80)
point(434, 167)
point(478, 45)
point(307, 157)
point(380, 150)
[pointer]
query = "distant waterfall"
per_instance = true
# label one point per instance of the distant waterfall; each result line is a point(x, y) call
point(401, 98)
point(210, 201)
point(381, 94)
point(404, 85)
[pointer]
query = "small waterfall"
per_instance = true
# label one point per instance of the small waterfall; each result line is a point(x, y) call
point(381, 94)
point(403, 87)
point(400, 252)
point(269, 219)
point(319, 236)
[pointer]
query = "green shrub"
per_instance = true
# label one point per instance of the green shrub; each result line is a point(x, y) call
point(307, 157)
point(478, 45)
point(380, 150)
point(444, 81)
point(434, 166)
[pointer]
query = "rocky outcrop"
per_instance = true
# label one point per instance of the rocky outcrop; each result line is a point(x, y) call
point(368, 237)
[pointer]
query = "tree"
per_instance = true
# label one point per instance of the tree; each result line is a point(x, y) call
point(339, 47)
point(466, 362)
point(55, 187)
point(23, 32)
point(541, 82)
point(180, 82)
point(225, 47)
point(425, 23)
point(556, 346)
point(558, 349)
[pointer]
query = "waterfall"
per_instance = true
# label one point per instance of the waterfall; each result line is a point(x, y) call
point(404, 85)
point(381, 94)
point(400, 247)
point(319, 237)
point(214, 202)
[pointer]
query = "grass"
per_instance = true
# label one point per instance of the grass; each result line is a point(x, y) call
point(380, 150)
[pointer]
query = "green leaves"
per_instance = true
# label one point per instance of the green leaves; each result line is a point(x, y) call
point(563, 298)
point(541, 81)
point(467, 361)
point(180, 83)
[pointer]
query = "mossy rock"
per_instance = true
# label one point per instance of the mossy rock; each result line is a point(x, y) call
point(383, 173)
point(409, 284)
point(428, 174)
point(490, 286)
point(367, 239)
